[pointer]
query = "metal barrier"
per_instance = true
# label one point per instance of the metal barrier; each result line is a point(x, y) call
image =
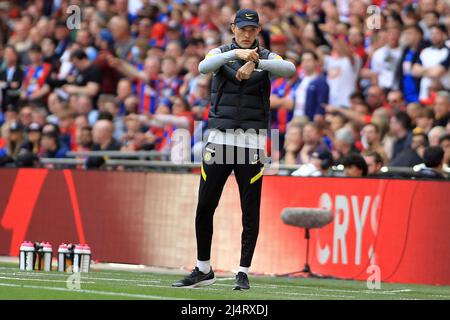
point(138, 161)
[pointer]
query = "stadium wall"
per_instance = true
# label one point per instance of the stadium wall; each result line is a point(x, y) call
point(148, 218)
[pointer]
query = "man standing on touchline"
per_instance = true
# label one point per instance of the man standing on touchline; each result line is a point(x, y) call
point(238, 120)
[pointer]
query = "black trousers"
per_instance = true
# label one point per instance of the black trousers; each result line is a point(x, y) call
point(217, 164)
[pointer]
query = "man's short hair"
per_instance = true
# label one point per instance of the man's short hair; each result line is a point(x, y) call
point(432, 156)
point(355, 159)
point(311, 52)
point(357, 95)
point(426, 112)
point(78, 54)
point(404, 119)
point(377, 129)
point(433, 12)
point(445, 137)
point(415, 27)
point(440, 26)
point(35, 48)
point(375, 155)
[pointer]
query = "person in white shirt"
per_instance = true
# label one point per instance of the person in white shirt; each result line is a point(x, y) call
point(342, 72)
point(434, 62)
point(385, 59)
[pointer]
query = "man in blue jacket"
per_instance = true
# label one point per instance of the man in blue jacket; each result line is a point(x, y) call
point(312, 92)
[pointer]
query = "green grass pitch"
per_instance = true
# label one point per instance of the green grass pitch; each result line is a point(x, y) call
point(101, 284)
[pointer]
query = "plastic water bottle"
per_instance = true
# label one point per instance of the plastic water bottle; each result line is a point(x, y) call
point(63, 251)
point(47, 251)
point(39, 254)
point(26, 258)
point(77, 253)
point(86, 259)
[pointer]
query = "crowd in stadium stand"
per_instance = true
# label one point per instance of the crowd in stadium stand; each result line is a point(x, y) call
point(371, 88)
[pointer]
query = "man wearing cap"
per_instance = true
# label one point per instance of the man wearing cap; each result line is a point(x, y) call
point(238, 117)
point(318, 165)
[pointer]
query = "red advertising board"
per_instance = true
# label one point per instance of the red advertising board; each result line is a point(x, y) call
point(148, 218)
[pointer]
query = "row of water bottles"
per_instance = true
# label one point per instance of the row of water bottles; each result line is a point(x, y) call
point(39, 255)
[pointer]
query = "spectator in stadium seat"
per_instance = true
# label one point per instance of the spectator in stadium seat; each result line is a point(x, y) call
point(124, 90)
point(85, 106)
point(312, 142)
point(406, 81)
point(36, 74)
point(343, 144)
point(435, 134)
point(400, 126)
point(318, 165)
point(191, 78)
point(292, 143)
point(62, 36)
point(32, 140)
point(110, 75)
point(412, 155)
point(354, 166)
point(26, 115)
point(11, 78)
point(342, 70)
point(432, 158)
point(444, 143)
point(311, 93)
point(51, 146)
point(336, 120)
point(385, 59)
point(376, 98)
point(84, 139)
point(425, 119)
point(88, 80)
point(434, 62)
point(84, 39)
point(103, 139)
point(111, 105)
point(123, 42)
point(441, 108)
point(374, 162)
point(14, 140)
point(147, 78)
point(413, 110)
point(371, 141)
point(395, 101)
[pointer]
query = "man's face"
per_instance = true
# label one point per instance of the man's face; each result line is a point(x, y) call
point(424, 122)
point(308, 62)
point(395, 126)
point(374, 97)
point(294, 136)
point(310, 134)
point(169, 67)
point(245, 36)
point(369, 133)
point(417, 142)
point(10, 56)
point(85, 138)
point(441, 107)
point(35, 57)
point(372, 166)
point(395, 99)
point(411, 36)
point(437, 37)
point(353, 171)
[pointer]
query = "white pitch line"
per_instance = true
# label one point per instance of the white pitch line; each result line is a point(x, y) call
point(167, 287)
point(83, 276)
point(276, 292)
point(41, 280)
point(108, 293)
